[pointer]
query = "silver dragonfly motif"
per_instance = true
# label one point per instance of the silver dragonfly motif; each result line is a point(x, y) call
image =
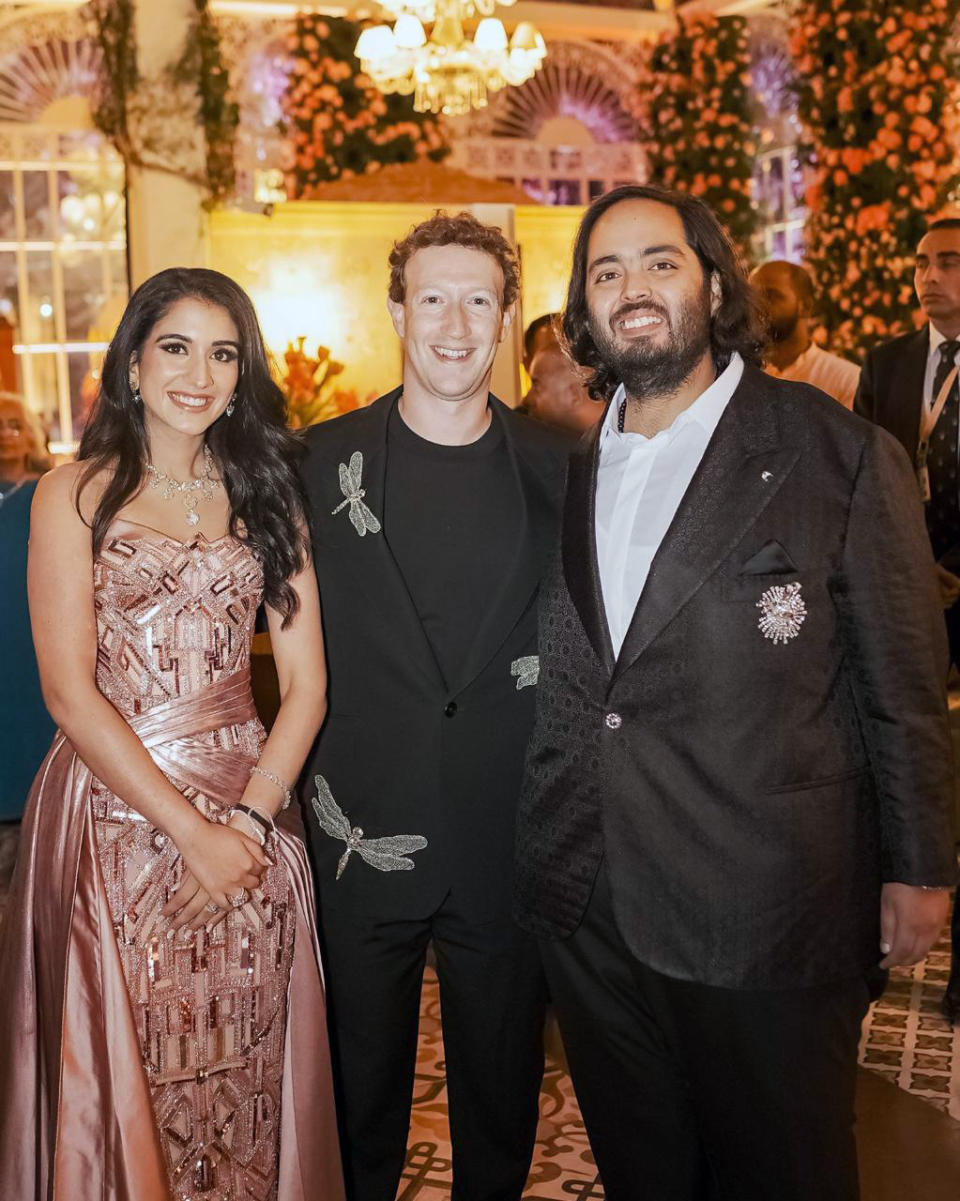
point(361, 518)
point(385, 854)
point(527, 671)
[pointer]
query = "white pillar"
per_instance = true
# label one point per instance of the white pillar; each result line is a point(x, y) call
point(166, 215)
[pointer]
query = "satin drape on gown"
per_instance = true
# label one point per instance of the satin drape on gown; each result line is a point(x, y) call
point(76, 1120)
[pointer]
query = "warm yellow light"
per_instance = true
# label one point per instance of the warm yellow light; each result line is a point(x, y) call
point(525, 37)
point(376, 44)
point(491, 36)
point(409, 32)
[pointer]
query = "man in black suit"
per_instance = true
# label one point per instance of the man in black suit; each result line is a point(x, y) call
point(433, 513)
point(738, 800)
point(900, 385)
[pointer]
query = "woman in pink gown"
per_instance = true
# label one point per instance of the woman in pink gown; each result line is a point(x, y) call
point(162, 1032)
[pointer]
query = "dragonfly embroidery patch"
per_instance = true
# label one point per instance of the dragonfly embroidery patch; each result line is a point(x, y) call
point(361, 518)
point(527, 671)
point(385, 854)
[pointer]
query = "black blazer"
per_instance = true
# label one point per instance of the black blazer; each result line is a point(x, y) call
point(891, 387)
point(749, 797)
point(402, 752)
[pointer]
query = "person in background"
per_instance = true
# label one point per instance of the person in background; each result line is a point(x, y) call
point(26, 728)
point(541, 332)
point(558, 395)
point(906, 387)
point(787, 297)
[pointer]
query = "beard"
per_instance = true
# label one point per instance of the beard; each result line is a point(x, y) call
point(646, 369)
point(781, 328)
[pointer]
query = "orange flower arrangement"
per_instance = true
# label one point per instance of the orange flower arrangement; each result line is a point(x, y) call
point(338, 124)
point(877, 98)
point(307, 384)
point(693, 106)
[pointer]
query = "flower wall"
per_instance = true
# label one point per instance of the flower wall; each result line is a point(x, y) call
point(877, 99)
point(338, 124)
point(695, 112)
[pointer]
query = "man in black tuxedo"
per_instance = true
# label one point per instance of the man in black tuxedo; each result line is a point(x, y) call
point(433, 513)
point(899, 387)
point(739, 792)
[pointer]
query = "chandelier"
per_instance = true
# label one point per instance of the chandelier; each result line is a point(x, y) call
point(448, 72)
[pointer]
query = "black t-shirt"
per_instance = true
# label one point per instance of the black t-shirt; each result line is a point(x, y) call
point(450, 517)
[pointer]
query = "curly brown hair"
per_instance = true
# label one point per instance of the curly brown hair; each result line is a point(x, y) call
point(461, 229)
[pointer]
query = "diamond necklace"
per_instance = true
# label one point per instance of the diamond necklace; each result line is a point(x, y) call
point(190, 491)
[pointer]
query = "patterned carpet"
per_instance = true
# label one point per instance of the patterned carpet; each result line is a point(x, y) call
point(563, 1166)
point(906, 1039)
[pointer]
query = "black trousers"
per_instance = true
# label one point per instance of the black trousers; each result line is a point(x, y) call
point(690, 1091)
point(953, 634)
point(492, 999)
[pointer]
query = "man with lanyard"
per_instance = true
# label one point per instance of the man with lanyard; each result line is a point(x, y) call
point(910, 387)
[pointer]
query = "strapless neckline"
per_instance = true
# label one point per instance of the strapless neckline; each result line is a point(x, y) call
point(199, 536)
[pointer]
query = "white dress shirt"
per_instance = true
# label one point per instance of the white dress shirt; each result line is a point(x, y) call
point(933, 362)
point(640, 483)
point(837, 377)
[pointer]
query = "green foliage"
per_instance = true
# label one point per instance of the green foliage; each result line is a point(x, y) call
point(202, 65)
point(113, 23)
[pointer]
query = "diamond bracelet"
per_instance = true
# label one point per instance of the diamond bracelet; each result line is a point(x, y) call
point(281, 784)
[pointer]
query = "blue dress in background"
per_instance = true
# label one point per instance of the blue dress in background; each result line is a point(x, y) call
point(26, 729)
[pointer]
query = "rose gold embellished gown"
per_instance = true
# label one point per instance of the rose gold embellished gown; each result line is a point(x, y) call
point(132, 1067)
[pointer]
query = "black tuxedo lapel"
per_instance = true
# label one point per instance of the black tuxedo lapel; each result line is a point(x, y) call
point(384, 580)
point(904, 394)
point(726, 496)
point(521, 576)
point(579, 546)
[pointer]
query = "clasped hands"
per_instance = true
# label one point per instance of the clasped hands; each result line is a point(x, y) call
point(221, 862)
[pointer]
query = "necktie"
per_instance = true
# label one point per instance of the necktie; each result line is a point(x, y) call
point(943, 511)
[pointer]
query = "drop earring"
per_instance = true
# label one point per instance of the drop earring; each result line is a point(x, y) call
point(137, 398)
point(231, 406)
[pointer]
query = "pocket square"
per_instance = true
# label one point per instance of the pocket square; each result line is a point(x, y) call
point(770, 559)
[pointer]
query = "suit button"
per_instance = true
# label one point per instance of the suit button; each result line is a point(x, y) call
point(451, 709)
point(613, 721)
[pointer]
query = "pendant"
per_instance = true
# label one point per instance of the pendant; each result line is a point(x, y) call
point(193, 517)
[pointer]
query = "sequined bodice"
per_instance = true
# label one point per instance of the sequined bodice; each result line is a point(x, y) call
point(172, 617)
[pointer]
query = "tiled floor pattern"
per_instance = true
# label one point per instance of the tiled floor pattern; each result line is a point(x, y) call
point(906, 1039)
point(563, 1168)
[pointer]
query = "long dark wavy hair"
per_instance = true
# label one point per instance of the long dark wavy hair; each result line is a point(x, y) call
point(736, 325)
point(254, 451)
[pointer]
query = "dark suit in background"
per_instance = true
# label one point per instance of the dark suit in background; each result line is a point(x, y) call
point(891, 394)
point(707, 820)
point(405, 751)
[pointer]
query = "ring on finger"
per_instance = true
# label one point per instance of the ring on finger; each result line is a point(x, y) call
point(212, 907)
point(239, 898)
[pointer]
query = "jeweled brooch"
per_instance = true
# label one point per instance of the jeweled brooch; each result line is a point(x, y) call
point(783, 612)
point(351, 486)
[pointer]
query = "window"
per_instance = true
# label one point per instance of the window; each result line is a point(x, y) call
point(63, 269)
